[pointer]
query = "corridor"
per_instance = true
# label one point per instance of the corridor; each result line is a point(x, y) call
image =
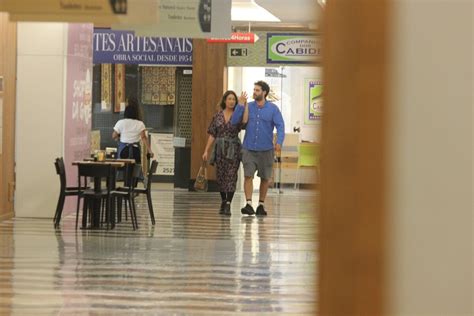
point(193, 261)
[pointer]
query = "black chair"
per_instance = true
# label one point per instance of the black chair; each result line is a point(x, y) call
point(64, 190)
point(94, 197)
point(146, 190)
point(127, 194)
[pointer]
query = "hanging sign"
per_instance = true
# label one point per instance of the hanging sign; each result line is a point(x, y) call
point(187, 18)
point(123, 47)
point(104, 12)
point(293, 48)
point(244, 38)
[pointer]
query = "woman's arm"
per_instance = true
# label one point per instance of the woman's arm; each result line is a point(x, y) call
point(115, 135)
point(210, 141)
point(145, 140)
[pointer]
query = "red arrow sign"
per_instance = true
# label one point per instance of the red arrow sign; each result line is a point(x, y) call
point(248, 38)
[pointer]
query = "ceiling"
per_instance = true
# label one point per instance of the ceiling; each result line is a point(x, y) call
point(292, 13)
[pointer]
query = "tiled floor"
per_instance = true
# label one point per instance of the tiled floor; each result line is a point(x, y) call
point(193, 261)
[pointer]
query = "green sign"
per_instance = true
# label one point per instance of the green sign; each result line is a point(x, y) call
point(314, 97)
point(293, 48)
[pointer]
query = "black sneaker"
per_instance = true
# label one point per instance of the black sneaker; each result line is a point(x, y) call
point(222, 209)
point(261, 211)
point(227, 209)
point(247, 210)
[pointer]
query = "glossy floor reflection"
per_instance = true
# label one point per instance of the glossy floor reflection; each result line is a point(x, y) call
point(193, 261)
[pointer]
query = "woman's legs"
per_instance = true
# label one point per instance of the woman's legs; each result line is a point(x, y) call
point(227, 202)
point(230, 196)
point(223, 201)
point(223, 196)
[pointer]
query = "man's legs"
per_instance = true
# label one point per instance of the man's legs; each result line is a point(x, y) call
point(264, 183)
point(248, 188)
point(249, 170)
point(265, 171)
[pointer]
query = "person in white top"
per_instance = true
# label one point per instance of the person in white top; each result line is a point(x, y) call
point(128, 131)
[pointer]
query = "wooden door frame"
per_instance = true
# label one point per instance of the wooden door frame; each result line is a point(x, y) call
point(353, 201)
point(209, 84)
point(8, 57)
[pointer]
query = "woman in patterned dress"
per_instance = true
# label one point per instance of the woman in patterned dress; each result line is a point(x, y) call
point(225, 143)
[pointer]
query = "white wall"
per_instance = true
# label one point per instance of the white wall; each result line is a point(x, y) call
point(431, 220)
point(234, 77)
point(39, 116)
point(293, 99)
point(295, 102)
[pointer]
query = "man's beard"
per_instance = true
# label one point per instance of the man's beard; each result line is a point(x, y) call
point(258, 98)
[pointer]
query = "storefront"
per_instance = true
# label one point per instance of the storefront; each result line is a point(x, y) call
point(68, 102)
point(286, 62)
point(158, 72)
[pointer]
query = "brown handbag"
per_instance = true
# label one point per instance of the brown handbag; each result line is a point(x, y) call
point(201, 178)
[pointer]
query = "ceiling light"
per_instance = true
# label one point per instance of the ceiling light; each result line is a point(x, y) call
point(248, 10)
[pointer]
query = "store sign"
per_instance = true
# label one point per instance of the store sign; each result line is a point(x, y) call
point(103, 12)
point(292, 48)
point(187, 18)
point(314, 95)
point(244, 38)
point(123, 47)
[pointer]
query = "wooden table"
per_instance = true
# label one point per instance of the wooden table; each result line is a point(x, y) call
point(115, 164)
point(120, 160)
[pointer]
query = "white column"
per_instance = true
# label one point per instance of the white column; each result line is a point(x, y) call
point(430, 229)
point(39, 116)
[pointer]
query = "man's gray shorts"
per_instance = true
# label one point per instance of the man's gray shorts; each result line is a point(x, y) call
point(260, 161)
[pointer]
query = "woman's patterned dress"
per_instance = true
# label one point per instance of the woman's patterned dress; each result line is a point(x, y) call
point(226, 169)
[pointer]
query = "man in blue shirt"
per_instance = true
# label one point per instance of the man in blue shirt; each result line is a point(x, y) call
point(258, 149)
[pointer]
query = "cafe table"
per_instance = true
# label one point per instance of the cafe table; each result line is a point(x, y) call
point(115, 164)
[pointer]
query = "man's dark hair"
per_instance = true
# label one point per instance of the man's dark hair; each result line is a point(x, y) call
point(265, 87)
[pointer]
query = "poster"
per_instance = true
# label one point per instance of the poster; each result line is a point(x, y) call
point(314, 101)
point(274, 78)
point(158, 85)
point(106, 87)
point(77, 121)
point(119, 87)
point(162, 147)
point(95, 140)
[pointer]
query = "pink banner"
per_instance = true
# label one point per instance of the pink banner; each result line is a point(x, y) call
point(77, 123)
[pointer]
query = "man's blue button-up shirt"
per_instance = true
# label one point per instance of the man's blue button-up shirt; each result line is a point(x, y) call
point(260, 126)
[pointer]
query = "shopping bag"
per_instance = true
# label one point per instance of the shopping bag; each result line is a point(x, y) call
point(201, 178)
